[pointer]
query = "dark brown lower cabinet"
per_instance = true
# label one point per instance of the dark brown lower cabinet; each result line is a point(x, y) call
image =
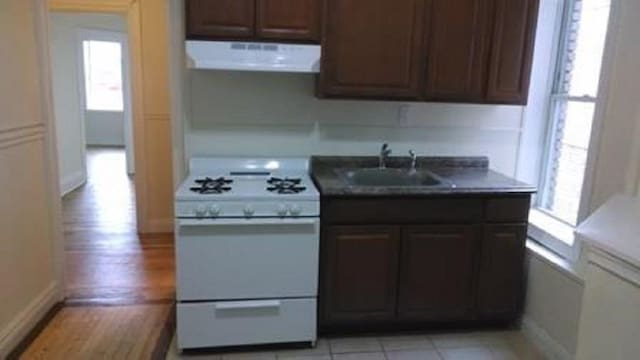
point(429, 264)
point(436, 273)
point(361, 274)
point(501, 280)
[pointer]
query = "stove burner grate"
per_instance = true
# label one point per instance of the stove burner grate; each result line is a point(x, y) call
point(212, 186)
point(285, 186)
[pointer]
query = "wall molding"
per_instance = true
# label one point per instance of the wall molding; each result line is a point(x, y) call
point(157, 117)
point(31, 125)
point(550, 348)
point(72, 182)
point(116, 6)
point(14, 136)
point(22, 323)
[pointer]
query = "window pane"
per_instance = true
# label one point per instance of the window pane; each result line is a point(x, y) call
point(585, 46)
point(569, 159)
point(103, 75)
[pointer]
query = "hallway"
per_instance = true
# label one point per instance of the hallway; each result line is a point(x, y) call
point(120, 286)
point(106, 259)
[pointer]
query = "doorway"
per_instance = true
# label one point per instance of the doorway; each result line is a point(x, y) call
point(105, 91)
point(106, 260)
point(91, 90)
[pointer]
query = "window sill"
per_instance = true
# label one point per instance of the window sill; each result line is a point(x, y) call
point(574, 270)
point(553, 234)
point(552, 227)
point(553, 242)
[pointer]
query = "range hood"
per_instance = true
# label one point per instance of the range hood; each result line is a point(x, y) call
point(250, 56)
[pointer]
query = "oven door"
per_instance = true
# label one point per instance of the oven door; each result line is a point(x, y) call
point(222, 259)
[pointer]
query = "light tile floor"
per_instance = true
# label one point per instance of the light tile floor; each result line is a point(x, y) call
point(495, 345)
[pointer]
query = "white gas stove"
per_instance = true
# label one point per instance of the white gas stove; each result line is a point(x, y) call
point(247, 243)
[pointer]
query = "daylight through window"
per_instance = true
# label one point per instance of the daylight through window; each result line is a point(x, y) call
point(103, 75)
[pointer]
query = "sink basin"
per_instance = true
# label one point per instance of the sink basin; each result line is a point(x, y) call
point(389, 177)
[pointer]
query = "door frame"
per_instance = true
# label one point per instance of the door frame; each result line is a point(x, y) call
point(89, 34)
point(130, 9)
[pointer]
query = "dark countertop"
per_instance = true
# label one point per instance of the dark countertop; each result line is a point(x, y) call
point(469, 175)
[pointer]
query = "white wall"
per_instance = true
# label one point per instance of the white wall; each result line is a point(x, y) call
point(553, 304)
point(535, 123)
point(30, 271)
point(271, 114)
point(104, 128)
point(618, 156)
point(67, 91)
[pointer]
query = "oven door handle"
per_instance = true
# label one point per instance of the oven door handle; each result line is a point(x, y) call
point(247, 222)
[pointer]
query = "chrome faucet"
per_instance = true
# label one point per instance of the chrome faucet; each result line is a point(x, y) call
point(384, 154)
point(414, 160)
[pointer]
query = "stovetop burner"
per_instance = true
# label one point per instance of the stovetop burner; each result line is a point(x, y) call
point(286, 185)
point(212, 186)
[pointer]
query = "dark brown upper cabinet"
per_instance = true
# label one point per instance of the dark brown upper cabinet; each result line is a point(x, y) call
point(220, 19)
point(474, 51)
point(362, 273)
point(437, 272)
point(373, 49)
point(512, 51)
point(255, 20)
point(457, 50)
point(289, 19)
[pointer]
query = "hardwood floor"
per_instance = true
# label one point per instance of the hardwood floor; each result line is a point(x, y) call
point(102, 332)
point(120, 286)
point(106, 259)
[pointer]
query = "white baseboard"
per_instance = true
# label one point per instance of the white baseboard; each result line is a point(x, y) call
point(550, 348)
point(72, 182)
point(24, 322)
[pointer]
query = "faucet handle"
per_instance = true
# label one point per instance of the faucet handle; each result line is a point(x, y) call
point(385, 149)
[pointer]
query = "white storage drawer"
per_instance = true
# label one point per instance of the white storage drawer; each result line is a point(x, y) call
point(230, 323)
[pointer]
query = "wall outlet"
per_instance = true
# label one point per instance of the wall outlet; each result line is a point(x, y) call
point(403, 115)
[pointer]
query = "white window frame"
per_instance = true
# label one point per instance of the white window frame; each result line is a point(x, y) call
point(545, 229)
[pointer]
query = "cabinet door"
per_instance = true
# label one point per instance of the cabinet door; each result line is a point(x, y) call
point(457, 55)
point(360, 274)
point(501, 279)
point(373, 49)
point(289, 20)
point(437, 273)
point(512, 51)
point(220, 19)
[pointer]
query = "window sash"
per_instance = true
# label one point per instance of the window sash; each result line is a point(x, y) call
point(552, 156)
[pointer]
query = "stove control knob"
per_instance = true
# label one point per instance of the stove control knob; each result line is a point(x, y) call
point(200, 211)
point(295, 210)
point(282, 210)
point(214, 210)
point(249, 211)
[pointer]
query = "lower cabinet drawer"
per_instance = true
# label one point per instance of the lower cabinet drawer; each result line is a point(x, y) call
point(253, 322)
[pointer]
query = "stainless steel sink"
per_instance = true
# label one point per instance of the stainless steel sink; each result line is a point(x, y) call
point(390, 177)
